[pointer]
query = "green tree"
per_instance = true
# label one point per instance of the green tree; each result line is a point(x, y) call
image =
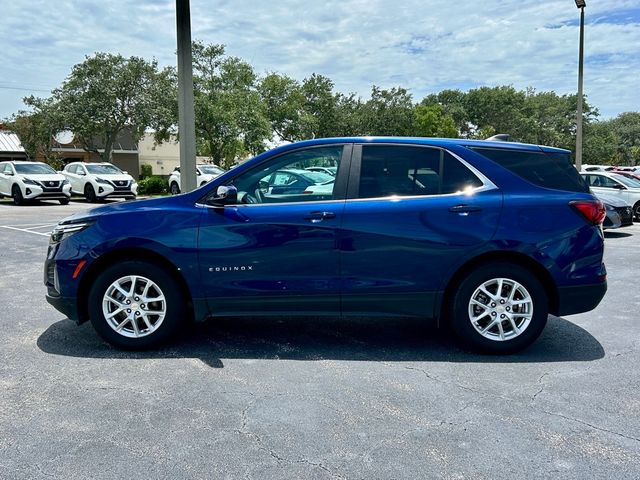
point(389, 112)
point(108, 94)
point(627, 128)
point(230, 117)
point(284, 104)
point(36, 128)
point(601, 144)
point(431, 121)
point(453, 104)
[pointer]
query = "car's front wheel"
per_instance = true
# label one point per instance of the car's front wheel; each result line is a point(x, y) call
point(90, 193)
point(136, 305)
point(499, 308)
point(174, 189)
point(636, 212)
point(16, 193)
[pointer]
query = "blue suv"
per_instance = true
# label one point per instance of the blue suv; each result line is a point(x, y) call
point(487, 237)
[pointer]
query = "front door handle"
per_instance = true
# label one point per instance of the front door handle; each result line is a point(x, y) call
point(464, 210)
point(317, 217)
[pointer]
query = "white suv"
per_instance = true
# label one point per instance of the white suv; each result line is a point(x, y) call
point(97, 181)
point(615, 185)
point(205, 173)
point(32, 181)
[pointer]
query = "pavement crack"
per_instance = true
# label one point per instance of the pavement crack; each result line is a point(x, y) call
point(541, 386)
point(590, 425)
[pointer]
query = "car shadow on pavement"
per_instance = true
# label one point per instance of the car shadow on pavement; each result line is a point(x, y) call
point(608, 234)
point(307, 339)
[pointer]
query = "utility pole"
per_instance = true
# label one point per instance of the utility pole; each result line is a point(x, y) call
point(580, 4)
point(186, 114)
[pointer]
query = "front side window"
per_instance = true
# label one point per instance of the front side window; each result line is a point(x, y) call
point(388, 170)
point(285, 179)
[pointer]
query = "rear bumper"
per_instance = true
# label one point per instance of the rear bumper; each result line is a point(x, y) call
point(579, 299)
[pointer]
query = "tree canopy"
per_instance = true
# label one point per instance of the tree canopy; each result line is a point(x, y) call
point(238, 113)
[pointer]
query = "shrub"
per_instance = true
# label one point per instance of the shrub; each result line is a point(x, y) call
point(152, 185)
point(145, 171)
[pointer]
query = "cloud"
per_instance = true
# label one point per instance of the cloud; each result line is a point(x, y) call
point(424, 46)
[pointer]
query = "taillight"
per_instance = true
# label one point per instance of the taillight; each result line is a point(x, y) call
point(592, 210)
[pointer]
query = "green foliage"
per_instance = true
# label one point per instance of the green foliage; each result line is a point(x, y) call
point(389, 112)
point(152, 185)
point(35, 129)
point(431, 121)
point(106, 94)
point(146, 171)
point(230, 116)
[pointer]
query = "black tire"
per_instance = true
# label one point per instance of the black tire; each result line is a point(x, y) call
point(90, 193)
point(636, 212)
point(64, 201)
point(174, 189)
point(16, 193)
point(176, 315)
point(466, 330)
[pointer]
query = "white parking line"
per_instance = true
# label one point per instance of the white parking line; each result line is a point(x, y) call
point(29, 231)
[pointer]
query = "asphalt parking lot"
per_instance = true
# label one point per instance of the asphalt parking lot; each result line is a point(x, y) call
point(311, 398)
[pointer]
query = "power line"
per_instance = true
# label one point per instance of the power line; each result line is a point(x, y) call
point(6, 87)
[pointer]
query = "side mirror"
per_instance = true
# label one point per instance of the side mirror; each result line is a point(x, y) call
point(617, 186)
point(81, 173)
point(125, 172)
point(225, 195)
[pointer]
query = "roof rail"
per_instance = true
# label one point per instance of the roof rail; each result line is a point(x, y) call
point(500, 137)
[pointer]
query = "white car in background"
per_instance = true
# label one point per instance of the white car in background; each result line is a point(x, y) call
point(615, 185)
point(97, 181)
point(204, 173)
point(24, 181)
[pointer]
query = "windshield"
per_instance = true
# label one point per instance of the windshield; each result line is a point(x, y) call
point(629, 182)
point(211, 170)
point(318, 177)
point(33, 168)
point(104, 169)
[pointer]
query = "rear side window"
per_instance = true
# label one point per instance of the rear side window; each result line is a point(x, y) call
point(403, 171)
point(549, 170)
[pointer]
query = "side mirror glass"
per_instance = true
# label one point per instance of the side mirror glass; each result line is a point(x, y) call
point(225, 195)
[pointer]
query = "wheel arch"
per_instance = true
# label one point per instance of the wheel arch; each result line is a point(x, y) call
point(517, 258)
point(122, 254)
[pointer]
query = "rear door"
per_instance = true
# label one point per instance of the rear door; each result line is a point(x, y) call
point(411, 213)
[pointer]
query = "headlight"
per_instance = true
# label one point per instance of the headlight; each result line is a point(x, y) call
point(65, 182)
point(28, 181)
point(102, 180)
point(63, 231)
point(608, 207)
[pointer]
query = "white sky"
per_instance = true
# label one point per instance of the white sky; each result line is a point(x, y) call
point(425, 46)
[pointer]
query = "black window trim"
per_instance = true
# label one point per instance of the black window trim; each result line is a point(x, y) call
point(356, 166)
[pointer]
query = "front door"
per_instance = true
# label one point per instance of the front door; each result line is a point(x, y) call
point(276, 254)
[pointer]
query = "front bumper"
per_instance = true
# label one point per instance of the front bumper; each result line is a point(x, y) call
point(36, 192)
point(581, 298)
point(104, 190)
point(66, 306)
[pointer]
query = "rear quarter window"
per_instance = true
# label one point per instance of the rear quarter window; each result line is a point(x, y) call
point(549, 170)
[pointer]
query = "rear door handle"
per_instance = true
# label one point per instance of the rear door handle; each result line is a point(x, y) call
point(317, 217)
point(464, 210)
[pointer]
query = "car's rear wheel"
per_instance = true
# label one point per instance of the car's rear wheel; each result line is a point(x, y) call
point(136, 305)
point(16, 193)
point(636, 212)
point(90, 193)
point(175, 189)
point(499, 308)
point(64, 201)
